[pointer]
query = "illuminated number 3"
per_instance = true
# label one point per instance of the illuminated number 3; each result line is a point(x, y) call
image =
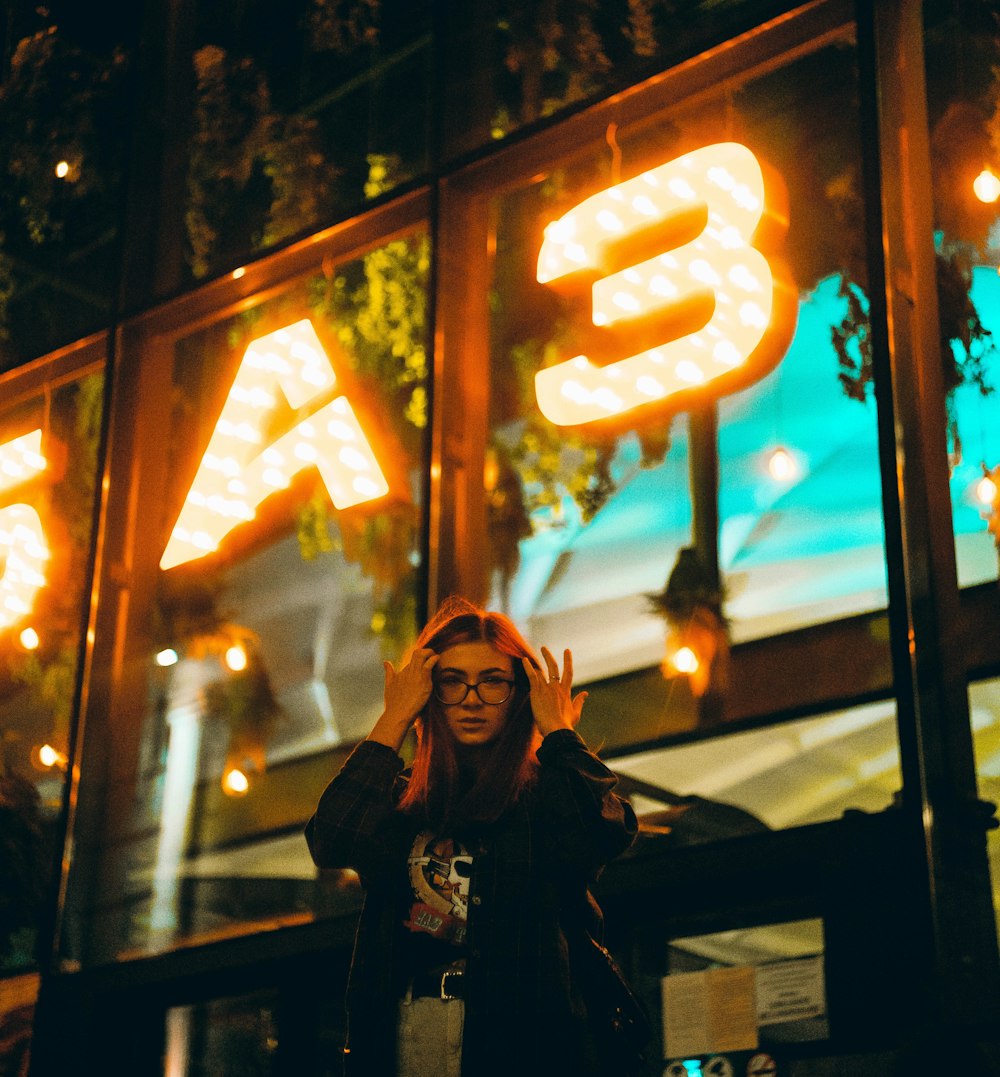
point(708, 306)
point(23, 548)
point(241, 468)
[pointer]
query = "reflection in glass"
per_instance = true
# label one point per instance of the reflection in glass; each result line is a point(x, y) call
point(287, 536)
point(231, 1036)
point(48, 466)
point(963, 95)
point(595, 524)
point(301, 113)
point(794, 774)
point(64, 95)
point(984, 705)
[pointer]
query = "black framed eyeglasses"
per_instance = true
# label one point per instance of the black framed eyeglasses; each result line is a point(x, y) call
point(453, 690)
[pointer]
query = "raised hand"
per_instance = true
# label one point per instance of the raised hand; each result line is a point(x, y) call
point(552, 702)
point(406, 693)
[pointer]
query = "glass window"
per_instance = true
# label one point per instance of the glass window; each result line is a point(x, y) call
point(793, 774)
point(64, 99)
point(600, 503)
point(512, 64)
point(49, 443)
point(300, 113)
point(231, 1037)
point(278, 472)
point(963, 92)
point(744, 993)
point(984, 704)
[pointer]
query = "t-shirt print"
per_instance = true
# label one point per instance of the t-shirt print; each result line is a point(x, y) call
point(440, 870)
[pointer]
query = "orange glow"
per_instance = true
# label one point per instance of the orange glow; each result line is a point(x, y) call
point(236, 658)
point(49, 757)
point(46, 757)
point(21, 459)
point(29, 639)
point(711, 295)
point(235, 783)
point(986, 186)
point(986, 490)
point(684, 660)
point(240, 469)
point(23, 552)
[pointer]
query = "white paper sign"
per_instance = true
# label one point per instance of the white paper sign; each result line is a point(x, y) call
point(790, 991)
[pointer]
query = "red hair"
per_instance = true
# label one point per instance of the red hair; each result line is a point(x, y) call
point(435, 789)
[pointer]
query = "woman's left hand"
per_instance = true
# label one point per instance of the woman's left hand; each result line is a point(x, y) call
point(551, 701)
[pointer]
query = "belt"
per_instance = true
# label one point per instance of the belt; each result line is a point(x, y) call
point(443, 983)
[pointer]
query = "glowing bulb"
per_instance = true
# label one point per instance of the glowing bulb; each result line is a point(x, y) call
point(684, 660)
point(236, 658)
point(167, 657)
point(29, 639)
point(986, 186)
point(62, 169)
point(235, 783)
point(781, 465)
point(986, 490)
point(49, 757)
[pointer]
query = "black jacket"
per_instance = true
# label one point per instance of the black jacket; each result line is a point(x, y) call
point(530, 873)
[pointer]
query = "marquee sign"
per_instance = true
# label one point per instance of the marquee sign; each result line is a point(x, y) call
point(241, 467)
point(24, 550)
point(668, 257)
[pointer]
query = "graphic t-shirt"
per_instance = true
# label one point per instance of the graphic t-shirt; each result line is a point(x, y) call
point(440, 869)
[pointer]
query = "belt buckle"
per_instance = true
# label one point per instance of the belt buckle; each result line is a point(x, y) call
point(446, 995)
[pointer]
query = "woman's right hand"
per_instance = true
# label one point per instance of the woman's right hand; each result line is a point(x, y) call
point(406, 693)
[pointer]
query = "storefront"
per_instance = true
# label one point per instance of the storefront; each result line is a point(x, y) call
point(671, 335)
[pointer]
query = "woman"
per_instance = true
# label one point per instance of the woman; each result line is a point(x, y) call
point(475, 863)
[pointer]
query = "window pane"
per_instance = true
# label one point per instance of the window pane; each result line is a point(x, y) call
point(301, 112)
point(588, 521)
point(64, 98)
point(48, 463)
point(511, 64)
point(787, 775)
point(984, 703)
point(963, 90)
point(232, 1037)
point(281, 548)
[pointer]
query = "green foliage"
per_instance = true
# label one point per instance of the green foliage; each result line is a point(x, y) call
point(57, 103)
point(239, 139)
point(312, 527)
point(377, 307)
point(966, 345)
point(379, 310)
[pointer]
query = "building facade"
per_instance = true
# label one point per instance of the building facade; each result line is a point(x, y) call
point(668, 329)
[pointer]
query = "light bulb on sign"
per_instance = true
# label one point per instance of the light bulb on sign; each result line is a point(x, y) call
point(167, 657)
point(29, 639)
point(986, 490)
point(715, 297)
point(241, 468)
point(25, 554)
